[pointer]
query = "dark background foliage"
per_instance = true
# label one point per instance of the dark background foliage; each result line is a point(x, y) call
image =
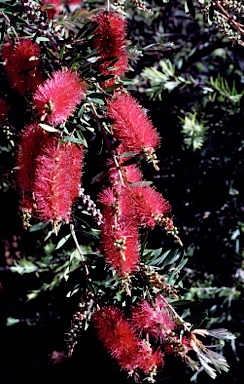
point(205, 189)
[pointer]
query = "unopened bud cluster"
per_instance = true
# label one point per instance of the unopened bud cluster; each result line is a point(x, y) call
point(91, 206)
point(235, 5)
point(158, 282)
point(81, 316)
point(225, 27)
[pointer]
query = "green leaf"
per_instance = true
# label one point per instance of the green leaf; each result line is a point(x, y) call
point(41, 38)
point(127, 154)
point(177, 303)
point(72, 292)
point(113, 87)
point(143, 183)
point(12, 321)
point(99, 176)
point(182, 263)
point(90, 234)
point(82, 140)
point(96, 100)
point(172, 257)
point(25, 267)
point(87, 30)
point(63, 241)
point(158, 260)
point(48, 128)
point(37, 227)
point(62, 52)
point(133, 160)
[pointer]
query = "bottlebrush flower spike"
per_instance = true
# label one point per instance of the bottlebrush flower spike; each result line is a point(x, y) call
point(120, 243)
point(130, 174)
point(154, 319)
point(111, 44)
point(132, 126)
point(150, 205)
point(58, 96)
point(119, 230)
point(118, 337)
point(21, 61)
point(3, 110)
point(57, 180)
point(32, 139)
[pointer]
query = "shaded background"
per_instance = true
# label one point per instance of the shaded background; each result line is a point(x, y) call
point(204, 187)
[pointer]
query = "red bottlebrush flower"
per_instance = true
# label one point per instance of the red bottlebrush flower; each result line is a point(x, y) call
point(153, 319)
point(120, 243)
point(6, 50)
point(118, 337)
point(57, 180)
point(31, 141)
point(21, 62)
point(132, 174)
point(58, 96)
point(147, 360)
point(111, 44)
point(119, 231)
point(106, 197)
point(150, 205)
point(131, 125)
point(3, 109)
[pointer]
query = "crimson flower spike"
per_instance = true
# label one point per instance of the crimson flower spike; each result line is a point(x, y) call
point(119, 233)
point(58, 96)
point(154, 319)
point(132, 127)
point(57, 180)
point(31, 141)
point(110, 42)
point(21, 62)
point(118, 337)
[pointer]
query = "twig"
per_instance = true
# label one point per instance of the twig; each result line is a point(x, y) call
point(72, 230)
point(114, 157)
point(227, 17)
point(176, 316)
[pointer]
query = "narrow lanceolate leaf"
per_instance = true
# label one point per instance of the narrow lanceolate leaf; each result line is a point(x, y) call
point(48, 128)
point(63, 241)
point(172, 257)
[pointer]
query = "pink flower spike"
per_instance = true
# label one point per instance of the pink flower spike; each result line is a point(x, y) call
point(150, 205)
point(154, 319)
point(57, 180)
point(120, 243)
point(58, 96)
point(32, 139)
point(118, 337)
point(21, 61)
point(111, 44)
point(132, 174)
point(131, 125)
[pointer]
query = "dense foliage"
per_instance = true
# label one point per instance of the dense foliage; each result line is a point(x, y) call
point(112, 253)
